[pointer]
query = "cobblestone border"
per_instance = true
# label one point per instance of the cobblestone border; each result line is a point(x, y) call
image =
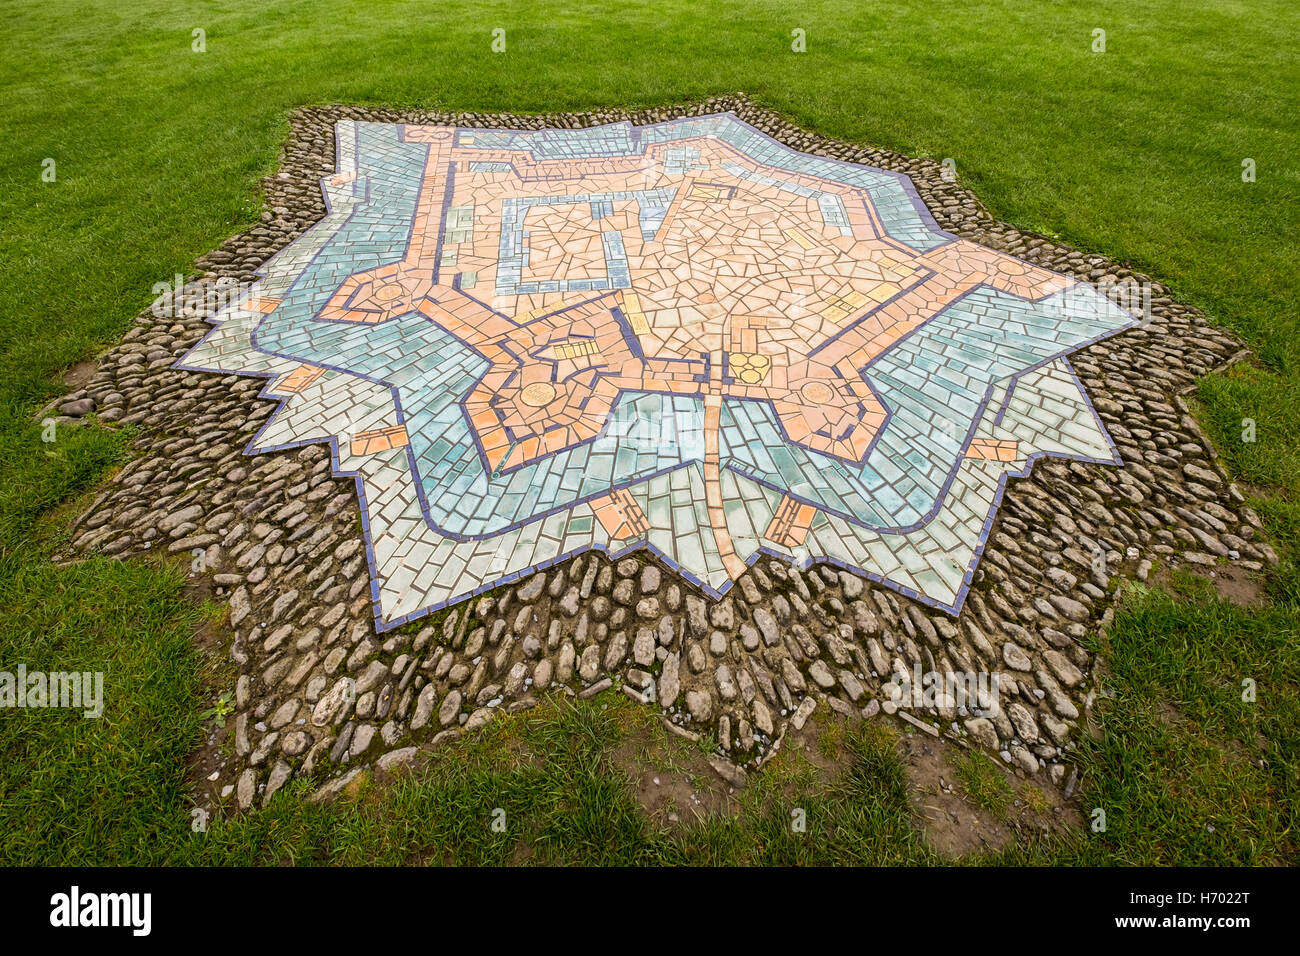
point(319, 694)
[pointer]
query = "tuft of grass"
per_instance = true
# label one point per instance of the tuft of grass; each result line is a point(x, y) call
point(830, 742)
point(983, 782)
point(1034, 799)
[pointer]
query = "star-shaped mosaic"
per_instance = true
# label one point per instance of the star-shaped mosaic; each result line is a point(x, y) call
point(684, 337)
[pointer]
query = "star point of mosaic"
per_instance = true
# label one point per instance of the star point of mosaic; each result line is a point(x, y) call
point(686, 337)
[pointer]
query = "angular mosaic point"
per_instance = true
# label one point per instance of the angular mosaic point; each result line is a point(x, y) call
point(685, 337)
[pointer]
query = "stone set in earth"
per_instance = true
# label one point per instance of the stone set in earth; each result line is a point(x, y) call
point(321, 695)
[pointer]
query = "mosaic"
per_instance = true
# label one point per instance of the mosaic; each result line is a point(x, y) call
point(684, 337)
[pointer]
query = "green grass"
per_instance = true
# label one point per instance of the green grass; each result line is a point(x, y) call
point(1189, 772)
point(1135, 153)
point(983, 782)
point(553, 774)
point(91, 791)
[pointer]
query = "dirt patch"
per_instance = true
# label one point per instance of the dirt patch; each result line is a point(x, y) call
point(1171, 715)
point(204, 766)
point(671, 778)
point(983, 809)
point(821, 742)
point(79, 375)
point(209, 761)
point(213, 635)
point(1238, 586)
point(953, 825)
point(1233, 584)
point(521, 853)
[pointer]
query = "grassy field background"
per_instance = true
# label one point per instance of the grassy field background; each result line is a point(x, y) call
point(1135, 152)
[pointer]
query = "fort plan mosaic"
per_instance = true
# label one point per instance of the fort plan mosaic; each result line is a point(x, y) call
point(685, 337)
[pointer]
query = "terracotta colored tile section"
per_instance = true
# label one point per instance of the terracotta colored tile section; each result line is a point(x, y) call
point(791, 523)
point(620, 515)
point(990, 450)
point(300, 378)
point(379, 439)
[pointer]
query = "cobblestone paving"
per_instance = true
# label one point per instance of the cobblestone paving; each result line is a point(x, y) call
point(806, 441)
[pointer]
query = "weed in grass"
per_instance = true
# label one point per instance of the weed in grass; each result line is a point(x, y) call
point(219, 711)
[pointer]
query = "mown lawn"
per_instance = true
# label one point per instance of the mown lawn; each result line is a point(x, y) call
point(1136, 152)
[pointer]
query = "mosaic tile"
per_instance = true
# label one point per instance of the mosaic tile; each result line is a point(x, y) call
point(685, 337)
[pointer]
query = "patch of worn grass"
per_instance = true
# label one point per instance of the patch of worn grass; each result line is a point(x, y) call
point(572, 807)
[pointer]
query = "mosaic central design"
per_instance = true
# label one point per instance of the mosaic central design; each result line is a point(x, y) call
point(685, 337)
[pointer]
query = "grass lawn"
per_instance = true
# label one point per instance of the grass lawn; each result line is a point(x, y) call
point(1136, 152)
